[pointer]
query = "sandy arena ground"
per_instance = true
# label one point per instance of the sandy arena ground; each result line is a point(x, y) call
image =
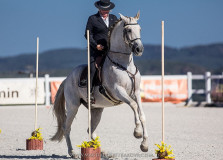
point(195, 133)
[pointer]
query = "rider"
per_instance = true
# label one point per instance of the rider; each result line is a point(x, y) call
point(98, 26)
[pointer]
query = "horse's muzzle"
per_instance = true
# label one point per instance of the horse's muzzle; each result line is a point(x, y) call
point(137, 49)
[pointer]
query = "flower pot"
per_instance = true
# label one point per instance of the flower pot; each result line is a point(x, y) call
point(90, 154)
point(163, 159)
point(34, 144)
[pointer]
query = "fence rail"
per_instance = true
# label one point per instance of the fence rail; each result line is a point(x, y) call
point(207, 78)
point(207, 91)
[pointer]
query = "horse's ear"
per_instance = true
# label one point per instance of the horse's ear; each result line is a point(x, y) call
point(123, 17)
point(137, 16)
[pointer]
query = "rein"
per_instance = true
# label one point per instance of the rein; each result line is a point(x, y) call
point(121, 52)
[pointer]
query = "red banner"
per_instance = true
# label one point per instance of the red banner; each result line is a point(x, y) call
point(54, 86)
point(175, 90)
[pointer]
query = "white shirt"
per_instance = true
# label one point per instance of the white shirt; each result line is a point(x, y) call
point(106, 20)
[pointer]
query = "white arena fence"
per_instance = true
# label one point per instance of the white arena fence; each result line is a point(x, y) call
point(177, 88)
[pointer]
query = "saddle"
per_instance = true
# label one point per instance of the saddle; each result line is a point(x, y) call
point(97, 81)
point(97, 76)
point(83, 78)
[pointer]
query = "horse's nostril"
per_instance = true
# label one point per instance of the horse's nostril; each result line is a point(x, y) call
point(137, 49)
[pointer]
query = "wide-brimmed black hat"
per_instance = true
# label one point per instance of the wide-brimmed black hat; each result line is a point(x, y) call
point(104, 5)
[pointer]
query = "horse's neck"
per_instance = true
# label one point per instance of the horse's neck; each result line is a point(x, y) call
point(118, 46)
point(124, 60)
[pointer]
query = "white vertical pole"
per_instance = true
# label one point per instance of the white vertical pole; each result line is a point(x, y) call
point(189, 87)
point(208, 87)
point(89, 87)
point(47, 87)
point(163, 81)
point(37, 61)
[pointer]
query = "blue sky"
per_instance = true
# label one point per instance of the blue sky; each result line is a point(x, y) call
point(61, 23)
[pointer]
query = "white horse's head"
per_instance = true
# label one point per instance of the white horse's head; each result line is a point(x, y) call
point(131, 34)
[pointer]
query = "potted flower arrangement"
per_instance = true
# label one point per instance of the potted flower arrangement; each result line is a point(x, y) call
point(35, 142)
point(163, 152)
point(90, 150)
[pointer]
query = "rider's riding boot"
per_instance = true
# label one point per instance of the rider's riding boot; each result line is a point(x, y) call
point(92, 77)
point(92, 99)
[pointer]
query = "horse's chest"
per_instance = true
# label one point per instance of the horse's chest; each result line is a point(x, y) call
point(122, 78)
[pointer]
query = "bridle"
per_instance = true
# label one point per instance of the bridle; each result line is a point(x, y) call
point(127, 40)
point(126, 36)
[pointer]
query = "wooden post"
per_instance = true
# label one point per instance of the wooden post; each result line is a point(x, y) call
point(163, 81)
point(208, 87)
point(89, 87)
point(37, 61)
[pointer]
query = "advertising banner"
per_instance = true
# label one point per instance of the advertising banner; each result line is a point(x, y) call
point(21, 91)
point(175, 89)
point(54, 86)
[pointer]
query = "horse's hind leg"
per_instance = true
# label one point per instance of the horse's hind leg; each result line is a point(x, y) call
point(71, 111)
point(96, 117)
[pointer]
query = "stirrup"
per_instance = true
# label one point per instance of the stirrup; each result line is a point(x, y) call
point(92, 99)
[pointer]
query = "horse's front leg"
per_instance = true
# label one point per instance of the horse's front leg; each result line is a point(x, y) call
point(142, 117)
point(138, 133)
point(123, 96)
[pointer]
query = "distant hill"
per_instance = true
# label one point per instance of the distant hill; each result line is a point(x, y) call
point(196, 59)
point(60, 62)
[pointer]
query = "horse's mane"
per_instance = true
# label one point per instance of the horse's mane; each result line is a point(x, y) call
point(110, 31)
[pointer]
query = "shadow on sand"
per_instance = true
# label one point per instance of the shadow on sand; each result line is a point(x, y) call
point(33, 157)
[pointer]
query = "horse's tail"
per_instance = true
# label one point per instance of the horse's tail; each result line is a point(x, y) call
point(59, 112)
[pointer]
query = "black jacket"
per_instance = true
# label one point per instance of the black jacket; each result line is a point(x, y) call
point(98, 32)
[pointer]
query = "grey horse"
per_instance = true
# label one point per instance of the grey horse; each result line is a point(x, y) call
point(120, 77)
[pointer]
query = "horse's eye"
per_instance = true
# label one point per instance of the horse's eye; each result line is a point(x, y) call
point(129, 30)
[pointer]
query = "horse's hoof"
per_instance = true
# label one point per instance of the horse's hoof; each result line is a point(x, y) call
point(137, 134)
point(73, 155)
point(144, 148)
point(106, 155)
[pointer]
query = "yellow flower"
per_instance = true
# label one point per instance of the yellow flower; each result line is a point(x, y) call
point(163, 151)
point(0, 131)
point(169, 157)
point(158, 145)
point(36, 134)
point(93, 143)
